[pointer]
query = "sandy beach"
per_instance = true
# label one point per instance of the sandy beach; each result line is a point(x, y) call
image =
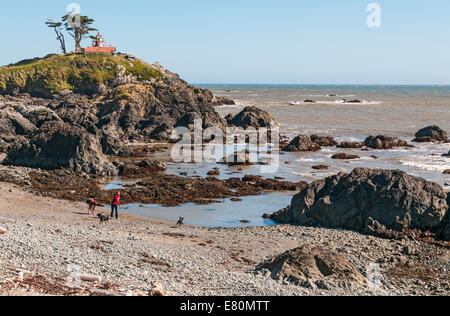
point(56, 238)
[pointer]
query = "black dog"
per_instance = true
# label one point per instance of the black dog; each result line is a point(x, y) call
point(103, 218)
point(180, 222)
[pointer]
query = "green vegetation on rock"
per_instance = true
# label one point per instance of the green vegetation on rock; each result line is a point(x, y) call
point(81, 73)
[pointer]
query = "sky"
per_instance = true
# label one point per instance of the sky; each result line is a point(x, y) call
point(254, 41)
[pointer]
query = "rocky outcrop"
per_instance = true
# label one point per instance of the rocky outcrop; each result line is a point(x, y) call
point(58, 146)
point(431, 134)
point(324, 141)
point(136, 102)
point(393, 198)
point(313, 266)
point(151, 111)
point(384, 142)
point(302, 143)
point(251, 116)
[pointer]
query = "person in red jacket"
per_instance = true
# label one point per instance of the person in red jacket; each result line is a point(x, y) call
point(115, 205)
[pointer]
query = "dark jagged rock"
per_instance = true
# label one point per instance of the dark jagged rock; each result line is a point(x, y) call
point(58, 146)
point(446, 231)
point(142, 169)
point(221, 100)
point(447, 171)
point(14, 129)
point(310, 264)
point(384, 142)
point(351, 145)
point(302, 143)
point(431, 134)
point(324, 141)
point(392, 198)
point(344, 156)
point(251, 116)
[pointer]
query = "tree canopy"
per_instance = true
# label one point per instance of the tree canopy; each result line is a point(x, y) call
point(78, 27)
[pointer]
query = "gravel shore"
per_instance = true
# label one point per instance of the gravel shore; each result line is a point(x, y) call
point(57, 237)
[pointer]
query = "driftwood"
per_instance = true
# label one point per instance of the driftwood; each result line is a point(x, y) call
point(34, 283)
point(90, 278)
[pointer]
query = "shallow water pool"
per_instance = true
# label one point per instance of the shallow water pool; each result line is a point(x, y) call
point(225, 214)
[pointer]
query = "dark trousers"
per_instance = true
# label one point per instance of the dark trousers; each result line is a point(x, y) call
point(116, 209)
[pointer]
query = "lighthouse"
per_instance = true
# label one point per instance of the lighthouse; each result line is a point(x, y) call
point(99, 46)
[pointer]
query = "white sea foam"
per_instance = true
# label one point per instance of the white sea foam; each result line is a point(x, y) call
point(343, 102)
point(429, 163)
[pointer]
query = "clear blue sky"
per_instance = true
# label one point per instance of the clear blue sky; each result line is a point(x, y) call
point(254, 41)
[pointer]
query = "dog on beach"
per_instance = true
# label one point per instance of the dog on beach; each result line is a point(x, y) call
point(103, 218)
point(180, 222)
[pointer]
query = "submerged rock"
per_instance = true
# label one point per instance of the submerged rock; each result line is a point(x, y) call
point(393, 198)
point(431, 134)
point(214, 172)
point(351, 145)
point(321, 167)
point(59, 146)
point(302, 143)
point(352, 101)
point(384, 142)
point(344, 156)
point(312, 264)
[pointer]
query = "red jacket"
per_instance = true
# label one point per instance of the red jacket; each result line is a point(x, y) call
point(116, 200)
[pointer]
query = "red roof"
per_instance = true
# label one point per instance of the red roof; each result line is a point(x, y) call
point(92, 49)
